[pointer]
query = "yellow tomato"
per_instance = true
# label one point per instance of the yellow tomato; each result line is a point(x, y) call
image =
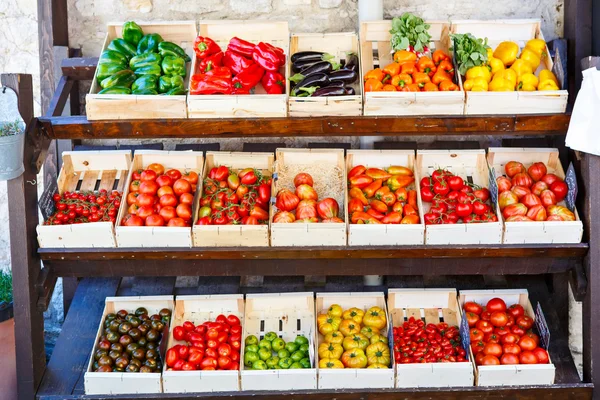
point(375, 318)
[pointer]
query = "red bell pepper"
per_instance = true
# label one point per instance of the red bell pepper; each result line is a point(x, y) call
point(249, 77)
point(204, 47)
point(221, 72)
point(240, 91)
point(236, 62)
point(210, 62)
point(273, 82)
point(241, 46)
point(268, 56)
point(206, 84)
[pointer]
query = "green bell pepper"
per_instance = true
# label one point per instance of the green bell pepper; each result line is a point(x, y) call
point(167, 83)
point(122, 78)
point(305, 362)
point(145, 92)
point(285, 363)
point(113, 57)
point(171, 49)
point(152, 69)
point(145, 82)
point(176, 92)
point(115, 90)
point(173, 66)
point(108, 69)
point(123, 47)
point(270, 336)
point(273, 362)
point(149, 43)
point(132, 33)
point(145, 59)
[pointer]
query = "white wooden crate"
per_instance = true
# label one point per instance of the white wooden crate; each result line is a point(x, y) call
point(430, 305)
point(314, 162)
point(376, 36)
point(83, 171)
point(468, 164)
point(288, 315)
point(350, 378)
point(384, 235)
point(538, 231)
point(509, 375)
point(259, 104)
point(199, 309)
point(232, 235)
point(517, 102)
point(160, 236)
point(122, 106)
point(337, 44)
point(127, 382)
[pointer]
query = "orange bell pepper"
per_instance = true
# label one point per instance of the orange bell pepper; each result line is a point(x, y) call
point(413, 87)
point(389, 199)
point(409, 68)
point(426, 65)
point(439, 56)
point(430, 87)
point(356, 193)
point(447, 66)
point(421, 78)
point(392, 69)
point(370, 190)
point(448, 86)
point(401, 80)
point(412, 198)
point(440, 76)
point(376, 73)
point(373, 85)
point(402, 56)
point(388, 88)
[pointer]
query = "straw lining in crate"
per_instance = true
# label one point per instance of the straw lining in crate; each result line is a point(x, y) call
point(538, 231)
point(327, 167)
point(232, 235)
point(338, 45)
point(431, 306)
point(120, 106)
point(382, 235)
point(160, 236)
point(376, 51)
point(517, 102)
point(470, 165)
point(83, 171)
point(509, 375)
point(349, 378)
point(288, 315)
point(127, 382)
point(258, 104)
point(199, 309)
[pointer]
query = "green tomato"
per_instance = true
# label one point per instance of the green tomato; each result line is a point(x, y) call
point(296, 365)
point(264, 354)
point(278, 344)
point(283, 353)
point(305, 362)
point(297, 355)
point(249, 358)
point(251, 340)
point(265, 344)
point(300, 340)
point(260, 364)
point(285, 363)
point(270, 336)
point(273, 362)
point(291, 347)
point(304, 348)
point(252, 348)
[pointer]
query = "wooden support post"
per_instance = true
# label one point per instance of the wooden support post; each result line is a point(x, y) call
point(578, 32)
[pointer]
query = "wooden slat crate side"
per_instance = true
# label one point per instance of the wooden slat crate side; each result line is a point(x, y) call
point(505, 375)
point(536, 232)
point(470, 165)
point(232, 235)
point(288, 315)
point(337, 44)
point(126, 383)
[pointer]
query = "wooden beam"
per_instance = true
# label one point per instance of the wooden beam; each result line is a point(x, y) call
point(578, 32)
point(45, 35)
point(60, 23)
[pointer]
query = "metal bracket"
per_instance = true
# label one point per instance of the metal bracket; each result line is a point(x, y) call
point(40, 141)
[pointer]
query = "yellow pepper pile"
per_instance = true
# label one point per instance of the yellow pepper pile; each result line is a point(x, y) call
point(506, 71)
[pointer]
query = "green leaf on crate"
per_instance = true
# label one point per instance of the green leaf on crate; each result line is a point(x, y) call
point(470, 51)
point(409, 30)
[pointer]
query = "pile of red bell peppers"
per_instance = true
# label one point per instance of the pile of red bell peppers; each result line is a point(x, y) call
point(238, 69)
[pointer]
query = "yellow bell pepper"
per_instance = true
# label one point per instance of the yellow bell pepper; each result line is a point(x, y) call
point(507, 52)
point(530, 57)
point(538, 46)
point(495, 64)
point(481, 71)
point(521, 67)
point(490, 52)
point(548, 84)
point(528, 83)
point(508, 75)
point(500, 84)
point(476, 85)
point(546, 74)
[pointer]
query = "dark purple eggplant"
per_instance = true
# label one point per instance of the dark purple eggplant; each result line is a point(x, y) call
point(349, 91)
point(336, 84)
point(317, 80)
point(323, 67)
point(352, 62)
point(345, 75)
point(310, 56)
point(300, 66)
point(329, 91)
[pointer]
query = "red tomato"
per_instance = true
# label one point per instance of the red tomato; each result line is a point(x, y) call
point(498, 318)
point(181, 186)
point(195, 357)
point(471, 306)
point(496, 304)
point(171, 357)
point(493, 349)
point(509, 359)
point(136, 175)
point(305, 179)
point(485, 326)
point(525, 322)
point(549, 179)
point(516, 310)
point(233, 320)
point(188, 367)
point(144, 199)
point(548, 198)
point(441, 188)
point(157, 168)
point(534, 337)
point(248, 176)
point(188, 326)
point(148, 187)
point(527, 343)
point(236, 329)
point(560, 189)
point(191, 177)
point(455, 182)
point(511, 348)
point(503, 183)
point(286, 200)
point(173, 174)
point(541, 355)
point(211, 352)
point(183, 352)
point(224, 362)
point(164, 180)
point(236, 345)
point(133, 220)
point(221, 173)
point(178, 365)
point(517, 330)
point(178, 333)
point(155, 220)
point(509, 338)
point(476, 335)
point(490, 360)
point(235, 356)
point(224, 350)
point(132, 198)
point(477, 347)
point(472, 319)
point(528, 357)
point(537, 171)
point(208, 362)
point(513, 168)
point(538, 188)
point(164, 190)
point(485, 315)
point(222, 337)
point(522, 179)
point(502, 331)
point(148, 175)
point(186, 198)
point(479, 357)
point(531, 200)
point(177, 222)
point(184, 211)
point(482, 194)
point(491, 338)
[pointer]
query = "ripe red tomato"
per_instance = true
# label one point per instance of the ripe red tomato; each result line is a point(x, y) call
point(191, 177)
point(155, 220)
point(502, 331)
point(148, 175)
point(509, 359)
point(527, 343)
point(522, 179)
point(186, 198)
point(498, 318)
point(171, 356)
point(525, 322)
point(441, 188)
point(493, 349)
point(517, 330)
point(511, 348)
point(491, 337)
point(490, 360)
point(144, 199)
point(455, 182)
point(472, 319)
point(184, 211)
point(541, 355)
point(164, 180)
point(208, 362)
point(560, 189)
point(509, 338)
point(133, 220)
point(548, 198)
point(164, 190)
point(527, 357)
point(181, 186)
point(188, 326)
point(132, 198)
point(182, 352)
point(248, 176)
point(134, 186)
point(549, 179)
point(504, 184)
point(148, 187)
point(477, 347)
point(537, 212)
point(531, 200)
point(286, 200)
point(168, 213)
point(471, 306)
point(304, 179)
point(157, 168)
point(482, 194)
point(485, 315)
point(224, 362)
point(516, 310)
point(178, 333)
point(195, 357)
point(485, 326)
point(440, 175)
point(174, 174)
point(178, 222)
point(167, 200)
point(513, 168)
point(476, 335)
point(534, 337)
point(233, 320)
point(136, 175)
point(145, 211)
point(537, 171)
point(496, 304)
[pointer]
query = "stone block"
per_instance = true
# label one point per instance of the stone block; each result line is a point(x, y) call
point(248, 7)
point(143, 6)
point(330, 3)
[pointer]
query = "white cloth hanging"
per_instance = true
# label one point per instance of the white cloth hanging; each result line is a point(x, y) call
point(584, 129)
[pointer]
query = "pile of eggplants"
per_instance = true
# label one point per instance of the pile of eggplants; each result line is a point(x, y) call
point(317, 74)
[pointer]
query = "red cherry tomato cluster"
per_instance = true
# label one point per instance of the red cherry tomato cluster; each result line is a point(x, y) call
point(159, 198)
point(303, 205)
point(83, 207)
point(232, 198)
point(453, 200)
point(415, 342)
point(209, 346)
point(501, 335)
point(527, 195)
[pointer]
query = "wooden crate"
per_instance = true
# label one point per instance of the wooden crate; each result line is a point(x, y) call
point(470, 165)
point(337, 44)
point(384, 235)
point(83, 171)
point(126, 382)
point(543, 231)
point(519, 31)
point(509, 375)
point(431, 306)
point(320, 163)
point(232, 235)
point(161, 236)
point(288, 315)
point(348, 378)
point(258, 104)
point(376, 51)
point(199, 309)
point(119, 106)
